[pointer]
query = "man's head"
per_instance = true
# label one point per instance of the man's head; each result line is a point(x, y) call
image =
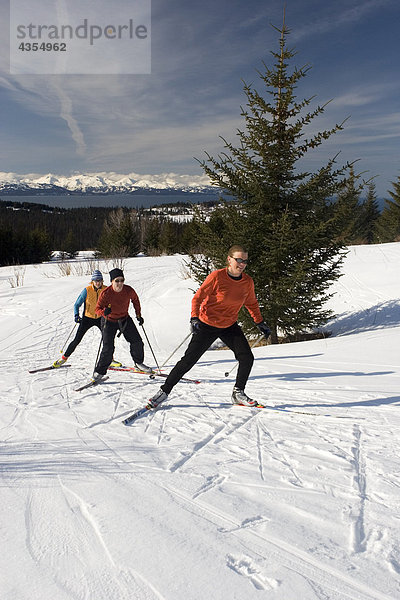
point(117, 279)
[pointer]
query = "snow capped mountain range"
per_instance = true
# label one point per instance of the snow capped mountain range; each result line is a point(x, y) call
point(102, 183)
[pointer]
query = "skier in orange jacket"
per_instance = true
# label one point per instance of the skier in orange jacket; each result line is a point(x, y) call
point(215, 309)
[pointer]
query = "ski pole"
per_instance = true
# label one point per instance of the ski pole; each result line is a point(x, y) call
point(101, 341)
point(252, 346)
point(69, 335)
point(176, 349)
point(98, 353)
point(147, 339)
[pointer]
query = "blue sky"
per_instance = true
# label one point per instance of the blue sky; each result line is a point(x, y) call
point(201, 51)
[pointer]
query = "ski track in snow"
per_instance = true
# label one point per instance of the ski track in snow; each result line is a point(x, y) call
point(292, 557)
point(243, 566)
point(199, 499)
point(358, 535)
point(74, 543)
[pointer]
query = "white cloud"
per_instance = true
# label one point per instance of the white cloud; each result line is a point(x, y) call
point(162, 145)
point(66, 113)
point(362, 95)
point(329, 22)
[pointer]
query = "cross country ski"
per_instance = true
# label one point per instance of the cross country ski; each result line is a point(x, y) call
point(91, 383)
point(152, 375)
point(49, 368)
point(139, 413)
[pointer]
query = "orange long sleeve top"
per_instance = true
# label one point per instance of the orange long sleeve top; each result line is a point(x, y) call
point(219, 298)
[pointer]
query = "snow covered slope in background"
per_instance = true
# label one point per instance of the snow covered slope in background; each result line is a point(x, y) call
point(201, 499)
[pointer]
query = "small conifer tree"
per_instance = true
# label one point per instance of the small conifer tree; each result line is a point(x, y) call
point(120, 237)
point(282, 214)
point(348, 211)
point(388, 225)
point(370, 215)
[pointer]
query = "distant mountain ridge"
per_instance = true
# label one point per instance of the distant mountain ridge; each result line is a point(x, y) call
point(102, 183)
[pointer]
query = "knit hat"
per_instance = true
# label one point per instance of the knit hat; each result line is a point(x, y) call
point(114, 273)
point(97, 276)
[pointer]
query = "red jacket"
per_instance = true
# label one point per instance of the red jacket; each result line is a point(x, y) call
point(219, 298)
point(119, 302)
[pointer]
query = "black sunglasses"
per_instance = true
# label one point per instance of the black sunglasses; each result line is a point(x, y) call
point(241, 261)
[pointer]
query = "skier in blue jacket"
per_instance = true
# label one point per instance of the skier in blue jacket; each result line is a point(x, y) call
point(88, 297)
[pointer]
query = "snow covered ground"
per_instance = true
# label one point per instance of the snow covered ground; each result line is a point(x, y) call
point(201, 500)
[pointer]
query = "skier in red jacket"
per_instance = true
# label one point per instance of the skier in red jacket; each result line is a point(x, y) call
point(215, 309)
point(113, 306)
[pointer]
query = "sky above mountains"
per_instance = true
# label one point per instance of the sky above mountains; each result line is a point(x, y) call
point(201, 52)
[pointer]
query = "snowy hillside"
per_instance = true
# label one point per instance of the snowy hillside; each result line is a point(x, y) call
point(103, 182)
point(201, 500)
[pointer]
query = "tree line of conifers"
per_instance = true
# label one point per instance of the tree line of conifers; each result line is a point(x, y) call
point(30, 232)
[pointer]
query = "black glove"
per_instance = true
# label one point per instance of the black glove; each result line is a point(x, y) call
point(107, 310)
point(195, 324)
point(263, 327)
point(77, 319)
point(140, 320)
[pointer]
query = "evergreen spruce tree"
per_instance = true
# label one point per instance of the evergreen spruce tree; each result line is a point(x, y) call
point(211, 237)
point(168, 237)
point(18, 248)
point(388, 225)
point(70, 246)
point(281, 214)
point(186, 242)
point(369, 215)
point(151, 235)
point(120, 237)
point(39, 246)
point(348, 211)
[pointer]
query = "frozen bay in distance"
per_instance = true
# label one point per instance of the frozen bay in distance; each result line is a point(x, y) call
point(135, 200)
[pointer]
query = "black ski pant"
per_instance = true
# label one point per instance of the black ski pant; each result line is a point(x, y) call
point(232, 336)
point(84, 326)
point(127, 328)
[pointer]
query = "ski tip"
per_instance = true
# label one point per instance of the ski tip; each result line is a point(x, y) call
point(132, 417)
point(253, 406)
